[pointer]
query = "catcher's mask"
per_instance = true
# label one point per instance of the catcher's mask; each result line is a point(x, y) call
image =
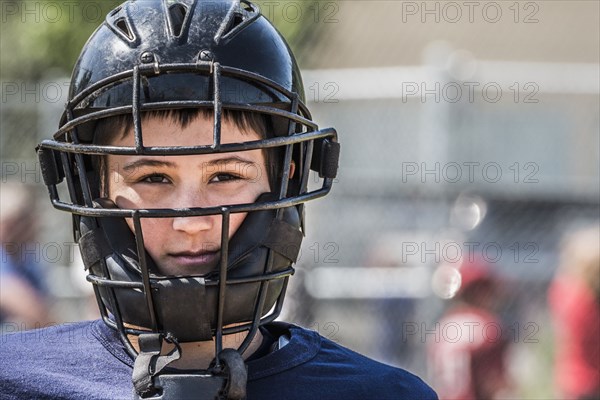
point(220, 58)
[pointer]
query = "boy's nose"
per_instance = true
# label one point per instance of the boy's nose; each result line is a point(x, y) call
point(194, 225)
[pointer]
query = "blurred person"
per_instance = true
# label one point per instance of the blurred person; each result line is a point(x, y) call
point(467, 358)
point(574, 299)
point(23, 294)
point(186, 147)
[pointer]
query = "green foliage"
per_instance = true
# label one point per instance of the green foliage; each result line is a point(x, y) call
point(42, 37)
point(296, 20)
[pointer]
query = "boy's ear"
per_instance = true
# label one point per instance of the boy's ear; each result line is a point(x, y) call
point(292, 169)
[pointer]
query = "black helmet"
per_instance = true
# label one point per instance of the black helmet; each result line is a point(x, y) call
point(222, 57)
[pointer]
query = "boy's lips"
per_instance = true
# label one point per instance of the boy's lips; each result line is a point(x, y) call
point(192, 258)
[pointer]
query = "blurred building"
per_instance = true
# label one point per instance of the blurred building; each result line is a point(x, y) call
point(457, 134)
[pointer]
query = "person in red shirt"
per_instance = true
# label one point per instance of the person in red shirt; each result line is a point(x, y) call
point(467, 358)
point(574, 300)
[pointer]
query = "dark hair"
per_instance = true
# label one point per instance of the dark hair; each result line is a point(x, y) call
point(108, 130)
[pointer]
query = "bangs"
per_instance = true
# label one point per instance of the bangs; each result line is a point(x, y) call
point(110, 129)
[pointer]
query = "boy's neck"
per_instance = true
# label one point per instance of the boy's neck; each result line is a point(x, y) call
point(199, 355)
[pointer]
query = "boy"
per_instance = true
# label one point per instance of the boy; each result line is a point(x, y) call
point(186, 149)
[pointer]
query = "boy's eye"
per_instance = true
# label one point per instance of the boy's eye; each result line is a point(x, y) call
point(154, 179)
point(224, 177)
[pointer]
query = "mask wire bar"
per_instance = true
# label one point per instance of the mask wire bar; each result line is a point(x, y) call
point(306, 167)
point(83, 179)
point(288, 156)
point(117, 323)
point(64, 158)
point(139, 239)
point(222, 284)
point(262, 292)
point(135, 103)
point(217, 107)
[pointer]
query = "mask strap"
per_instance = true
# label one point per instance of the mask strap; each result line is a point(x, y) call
point(225, 383)
point(149, 362)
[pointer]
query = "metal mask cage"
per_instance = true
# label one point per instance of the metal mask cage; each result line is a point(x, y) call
point(63, 162)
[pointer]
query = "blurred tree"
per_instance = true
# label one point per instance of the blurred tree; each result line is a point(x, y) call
point(41, 36)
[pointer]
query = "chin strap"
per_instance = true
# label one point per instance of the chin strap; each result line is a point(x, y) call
point(149, 362)
point(225, 383)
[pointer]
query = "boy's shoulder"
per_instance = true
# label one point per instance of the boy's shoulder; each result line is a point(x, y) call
point(313, 366)
point(38, 342)
point(63, 361)
point(86, 358)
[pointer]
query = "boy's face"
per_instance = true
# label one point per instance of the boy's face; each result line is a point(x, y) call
point(186, 245)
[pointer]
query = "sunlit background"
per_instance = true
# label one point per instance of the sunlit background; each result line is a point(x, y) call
point(469, 130)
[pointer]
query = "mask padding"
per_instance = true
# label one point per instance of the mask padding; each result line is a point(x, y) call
point(120, 237)
point(185, 306)
point(260, 228)
point(52, 170)
point(325, 158)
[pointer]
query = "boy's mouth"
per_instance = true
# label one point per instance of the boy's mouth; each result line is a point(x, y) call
point(195, 257)
point(193, 262)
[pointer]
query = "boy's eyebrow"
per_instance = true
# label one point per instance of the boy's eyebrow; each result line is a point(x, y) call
point(146, 162)
point(228, 160)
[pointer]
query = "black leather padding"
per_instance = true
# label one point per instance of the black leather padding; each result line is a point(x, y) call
point(94, 247)
point(52, 171)
point(285, 239)
point(325, 159)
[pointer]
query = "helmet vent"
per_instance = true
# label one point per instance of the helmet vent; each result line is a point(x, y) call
point(121, 24)
point(115, 11)
point(177, 14)
point(246, 6)
point(237, 20)
point(240, 15)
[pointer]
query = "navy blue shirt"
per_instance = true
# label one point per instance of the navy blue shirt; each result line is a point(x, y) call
point(87, 360)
